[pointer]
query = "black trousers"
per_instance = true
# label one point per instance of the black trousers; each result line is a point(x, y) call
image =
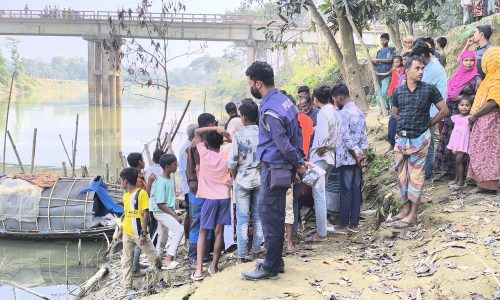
point(272, 205)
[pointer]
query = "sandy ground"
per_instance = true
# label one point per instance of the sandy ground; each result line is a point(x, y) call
point(456, 249)
point(454, 253)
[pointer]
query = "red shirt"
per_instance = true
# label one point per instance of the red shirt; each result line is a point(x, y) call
point(306, 123)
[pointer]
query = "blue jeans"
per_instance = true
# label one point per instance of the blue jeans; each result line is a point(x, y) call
point(247, 199)
point(333, 193)
point(350, 198)
point(320, 199)
point(429, 159)
point(272, 205)
point(384, 86)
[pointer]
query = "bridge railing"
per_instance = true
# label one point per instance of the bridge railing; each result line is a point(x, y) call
point(160, 17)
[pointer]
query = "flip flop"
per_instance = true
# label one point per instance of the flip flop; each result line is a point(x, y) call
point(310, 239)
point(457, 187)
point(392, 220)
point(403, 224)
point(211, 272)
point(173, 264)
point(197, 278)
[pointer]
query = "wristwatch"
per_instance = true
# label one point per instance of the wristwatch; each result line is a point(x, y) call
point(144, 233)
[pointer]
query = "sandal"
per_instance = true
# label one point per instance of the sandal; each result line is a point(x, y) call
point(392, 220)
point(212, 272)
point(403, 224)
point(197, 278)
point(315, 239)
point(172, 265)
point(457, 187)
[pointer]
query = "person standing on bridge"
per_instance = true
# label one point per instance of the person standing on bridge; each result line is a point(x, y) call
point(26, 9)
point(280, 153)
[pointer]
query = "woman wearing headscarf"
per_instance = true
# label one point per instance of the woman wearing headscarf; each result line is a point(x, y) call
point(408, 42)
point(484, 141)
point(465, 82)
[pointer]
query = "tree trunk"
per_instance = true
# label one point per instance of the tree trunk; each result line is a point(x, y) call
point(351, 65)
point(378, 92)
point(318, 18)
point(408, 28)
point(393, 28)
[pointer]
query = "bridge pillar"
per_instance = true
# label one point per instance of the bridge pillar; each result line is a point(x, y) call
point(91, 72)
point(98, 75)
point(105, 77)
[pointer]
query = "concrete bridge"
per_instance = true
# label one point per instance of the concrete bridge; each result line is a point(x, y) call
point(105, 82)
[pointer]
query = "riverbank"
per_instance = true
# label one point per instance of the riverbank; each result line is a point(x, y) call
point(452, 254)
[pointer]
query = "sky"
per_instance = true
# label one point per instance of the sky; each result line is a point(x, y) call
point(48, 47)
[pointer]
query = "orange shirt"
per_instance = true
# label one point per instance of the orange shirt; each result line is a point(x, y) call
point(306, 123)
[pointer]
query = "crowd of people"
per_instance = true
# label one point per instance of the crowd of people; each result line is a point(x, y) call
point(274, 158)
point(475, 10)
point(56, 12)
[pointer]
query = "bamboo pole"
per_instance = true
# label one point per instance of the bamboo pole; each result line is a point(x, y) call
point(15, 151)
point(74, 146)
point(107, 173)
point(65, 171)
point(122, 161)
point(182, 118)
point(378, 90)
point(66, 151)
point(33, 151)
point(7, 123)
point(148, 154)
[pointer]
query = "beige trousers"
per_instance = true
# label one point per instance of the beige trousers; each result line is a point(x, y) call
point(148, 249)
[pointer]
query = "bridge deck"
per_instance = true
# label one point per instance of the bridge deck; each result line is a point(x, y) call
point(208, 27)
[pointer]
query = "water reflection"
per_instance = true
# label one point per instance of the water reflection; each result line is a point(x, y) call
point(103, 131)
point(48, 263)
point(105, 137)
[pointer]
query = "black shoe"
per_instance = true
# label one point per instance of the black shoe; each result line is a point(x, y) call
point(259, 273)
point(260, 261)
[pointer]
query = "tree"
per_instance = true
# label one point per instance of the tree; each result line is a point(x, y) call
point(4, 71)
point(146, 62)
point(333, 21)
point(15, 56)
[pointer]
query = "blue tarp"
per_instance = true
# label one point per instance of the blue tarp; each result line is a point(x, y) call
point(100, 188)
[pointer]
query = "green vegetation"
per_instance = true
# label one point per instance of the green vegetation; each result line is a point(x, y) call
point(29, 72)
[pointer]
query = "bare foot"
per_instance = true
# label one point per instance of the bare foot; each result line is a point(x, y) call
point(290, 247)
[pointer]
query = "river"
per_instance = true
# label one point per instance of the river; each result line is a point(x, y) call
point(103, 131)
point(53, 268)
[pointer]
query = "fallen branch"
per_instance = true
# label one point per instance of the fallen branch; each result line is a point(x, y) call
point(89, 284)
point(24, 289)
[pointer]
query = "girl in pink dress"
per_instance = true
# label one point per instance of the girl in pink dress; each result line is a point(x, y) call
point(459, 141)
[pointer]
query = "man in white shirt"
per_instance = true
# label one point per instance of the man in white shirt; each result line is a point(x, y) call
point(323, 155)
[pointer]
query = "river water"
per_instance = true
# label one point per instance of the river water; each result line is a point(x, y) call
point(103, 131)
point(53, 268)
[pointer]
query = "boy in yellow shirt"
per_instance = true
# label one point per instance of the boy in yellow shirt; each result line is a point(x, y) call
point(134, 226)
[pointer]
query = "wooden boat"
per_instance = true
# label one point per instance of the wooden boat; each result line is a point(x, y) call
point(61, 212)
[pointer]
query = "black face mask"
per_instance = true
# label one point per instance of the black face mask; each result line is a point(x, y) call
point(255, 92)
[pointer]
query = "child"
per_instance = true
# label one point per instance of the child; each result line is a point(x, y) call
point(459, 141)
point(244, 164)
point(164, 210)
point(214, 182)
point(133, 230)
point(397, 71)
point(136, 161)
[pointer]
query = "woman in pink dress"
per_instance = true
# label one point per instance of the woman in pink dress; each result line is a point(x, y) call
point(459, 141)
